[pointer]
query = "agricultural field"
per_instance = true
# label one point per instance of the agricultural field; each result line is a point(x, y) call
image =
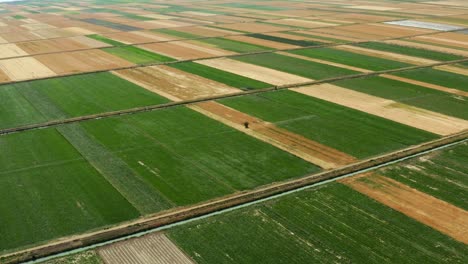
point(119, 116)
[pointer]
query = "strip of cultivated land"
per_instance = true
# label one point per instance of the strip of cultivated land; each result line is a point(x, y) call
point(184, 213)
point(370, 213)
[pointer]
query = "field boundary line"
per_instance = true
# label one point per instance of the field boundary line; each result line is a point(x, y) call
point(141, 109)
point(326, 45)
point(176, 215)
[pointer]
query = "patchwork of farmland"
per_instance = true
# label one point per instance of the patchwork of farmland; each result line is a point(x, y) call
point(114, 113)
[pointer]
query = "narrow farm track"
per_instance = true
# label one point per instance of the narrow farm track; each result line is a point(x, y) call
point(182, 214)
point(188, 102)
point(207, 58)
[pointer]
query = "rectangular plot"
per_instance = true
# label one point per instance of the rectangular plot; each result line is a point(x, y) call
point(326, 123)
point(11, 50)
point(109, 24)
point(351, 58)
point(410, 94)
point(154, 248)
point(311, 226)
point(185, 50)
point(137, 55)
point(45, 182)
point(438, 77)
point(255, 72)
point(25, 68)
point(82, 61)
point(307, 69)
point(233, 45)
point(15, 110)
point(220, 76)
point(179, 155)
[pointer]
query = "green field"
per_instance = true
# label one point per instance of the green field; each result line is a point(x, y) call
point(410, 94)
point(330, 224)
point(15, 110)
point(233, 45)
point(300, 43)
point(106, 40)
point(296, 66)
point(190, 158)
point(136, 55)
point(221, 76)
point(444, 175)
point(422, 53)
point(48, 190)
point(58, 98)
point(356, 133)
point(439, 77)
point(351, 58)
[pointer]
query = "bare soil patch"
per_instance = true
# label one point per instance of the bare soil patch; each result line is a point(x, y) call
point(439, 39)
point(11, 50)
point(412, 116)
point(255, 72)
point(385, 30)
point(184, 50)
point(438, 214)
point(24, 69)
point(174, 84)
point(82, 61)
point(297, 145)
point(153, 248)
point(52, 45)
point(19, 36)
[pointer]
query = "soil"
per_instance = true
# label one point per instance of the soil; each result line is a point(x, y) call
point(10, 51)
point(153, 248)
point(184, 50)
point(412, 116)
point(174, 84)
point(24, 69)
point(438, 214)
point(82, 61)
point(255, 72)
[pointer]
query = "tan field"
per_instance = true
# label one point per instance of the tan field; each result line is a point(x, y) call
point(254, 72)
point(11, 50)
point(184, 50)
point(174, 84)
point(262, 42)
point(154, 248)
point(412, 116)
point(82, 61)
point(24, 69)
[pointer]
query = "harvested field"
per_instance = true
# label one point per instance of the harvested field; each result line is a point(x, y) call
point(429, 47)
point(385, 30)
point(301, 23)
point(373, 8)
point(49, 46)
point(404, 114)
point(11, 50)
point(82, 61)
point(19, 36)
point(174, 84)
point(422, 207)
point(185, 50)
point(254, 72)
point(154, 248)
point(24, 69)
point(136, 37)
point(440, 40)
point(316, 153)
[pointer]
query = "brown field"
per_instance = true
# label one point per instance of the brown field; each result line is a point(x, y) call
point(373, 7)
point(438, 214)
point(460, 42)
point(155, 24)
point(82, 61)
point(412, 116)
point(24, 69)
point(255, 72)
point(54, 33)
point(316, 153)
point(356, 17)
point(4, 77)
point(388, 31)
point(19, 36)
point(154, 248)
point(174, 84)
point(185, 50)
point(60, 45)
point(454, 69)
